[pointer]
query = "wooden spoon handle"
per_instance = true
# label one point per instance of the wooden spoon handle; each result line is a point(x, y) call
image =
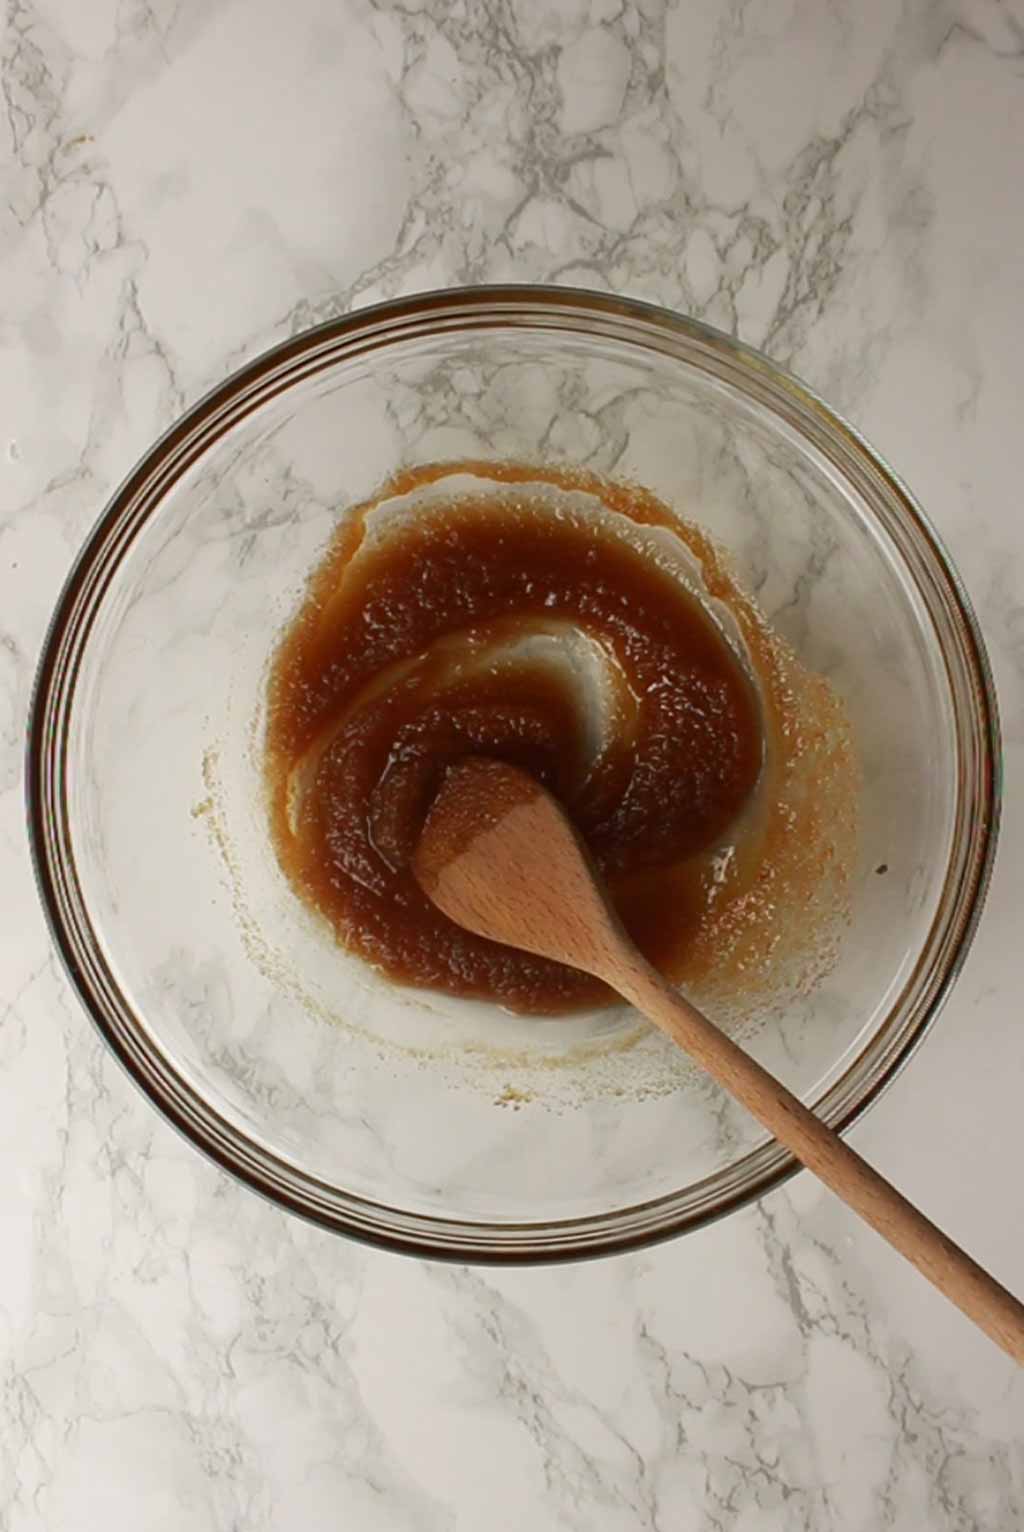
point(952, 1271)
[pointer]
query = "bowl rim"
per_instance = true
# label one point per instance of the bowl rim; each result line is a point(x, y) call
point(490, 307)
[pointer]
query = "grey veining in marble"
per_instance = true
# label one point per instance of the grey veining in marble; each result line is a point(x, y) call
point(184, 182)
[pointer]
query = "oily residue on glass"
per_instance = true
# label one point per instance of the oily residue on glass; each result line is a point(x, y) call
point(537, 617)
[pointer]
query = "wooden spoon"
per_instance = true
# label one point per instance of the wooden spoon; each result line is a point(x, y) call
point(498, 856)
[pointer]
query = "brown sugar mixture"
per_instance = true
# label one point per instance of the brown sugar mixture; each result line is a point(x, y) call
point(578, 630)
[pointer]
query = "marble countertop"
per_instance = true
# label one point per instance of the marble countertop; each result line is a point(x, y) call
point(185, 182)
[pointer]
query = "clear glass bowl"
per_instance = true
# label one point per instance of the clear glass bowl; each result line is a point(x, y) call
point(418, 1123)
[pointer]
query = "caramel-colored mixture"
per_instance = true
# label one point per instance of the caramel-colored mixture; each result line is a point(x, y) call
point(419, 646)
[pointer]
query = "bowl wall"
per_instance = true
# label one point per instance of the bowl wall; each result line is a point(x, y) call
point(404, 1117)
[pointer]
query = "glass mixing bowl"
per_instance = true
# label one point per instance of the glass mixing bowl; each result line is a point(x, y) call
point(399, 1117)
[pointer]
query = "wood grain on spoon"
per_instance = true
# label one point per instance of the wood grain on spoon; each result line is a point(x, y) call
point(499, 856)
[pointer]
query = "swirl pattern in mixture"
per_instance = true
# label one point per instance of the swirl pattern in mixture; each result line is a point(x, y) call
point(577, 629)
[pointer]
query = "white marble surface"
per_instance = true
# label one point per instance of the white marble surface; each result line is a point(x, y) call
point(185, 181)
